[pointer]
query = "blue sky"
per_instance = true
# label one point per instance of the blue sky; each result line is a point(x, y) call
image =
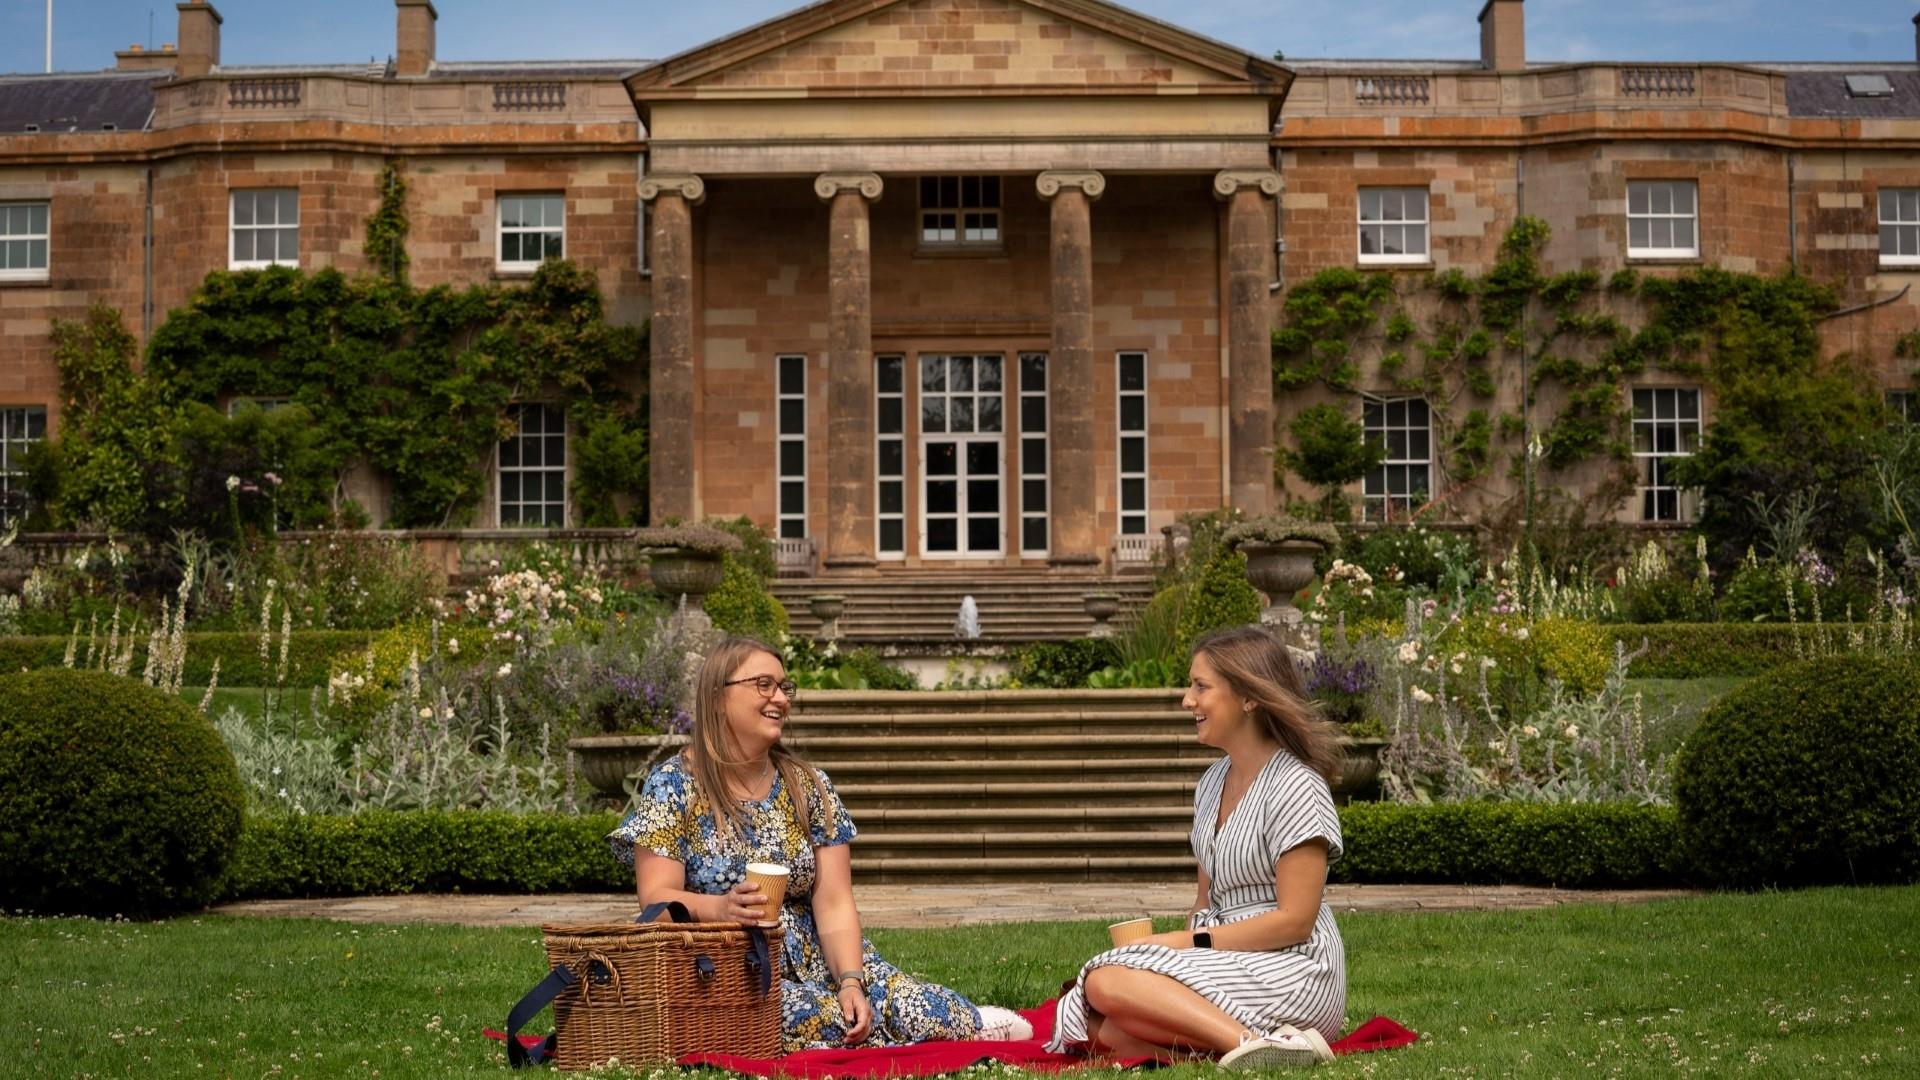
point(86, 32)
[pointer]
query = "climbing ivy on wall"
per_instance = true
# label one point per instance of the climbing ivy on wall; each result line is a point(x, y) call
point(1452, 337)
point(417, 383)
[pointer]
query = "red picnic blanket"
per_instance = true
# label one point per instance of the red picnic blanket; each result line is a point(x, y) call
point(936, 1058)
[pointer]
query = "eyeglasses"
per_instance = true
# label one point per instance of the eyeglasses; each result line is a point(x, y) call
point(767, 684)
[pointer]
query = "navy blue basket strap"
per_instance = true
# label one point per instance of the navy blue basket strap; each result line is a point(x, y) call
point(542, 995)
point(674, 907)
point(758, 959)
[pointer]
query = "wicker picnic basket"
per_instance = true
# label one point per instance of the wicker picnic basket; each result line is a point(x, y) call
point(654, 992)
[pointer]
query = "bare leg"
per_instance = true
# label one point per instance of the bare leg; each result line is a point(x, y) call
point(1158, 1011)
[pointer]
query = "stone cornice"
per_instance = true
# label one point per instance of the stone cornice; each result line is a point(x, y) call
point(1090, 183)
point(1229, 182)
point(691, 188)
point(869, 185)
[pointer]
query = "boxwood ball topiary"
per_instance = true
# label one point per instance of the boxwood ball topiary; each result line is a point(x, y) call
point(115, 798)
point(1808, 776)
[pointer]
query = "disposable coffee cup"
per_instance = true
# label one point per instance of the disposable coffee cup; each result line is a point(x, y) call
point(772, 880)
point(1126, 933)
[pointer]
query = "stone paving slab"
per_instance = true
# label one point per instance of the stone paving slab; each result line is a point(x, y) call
point(913, 907)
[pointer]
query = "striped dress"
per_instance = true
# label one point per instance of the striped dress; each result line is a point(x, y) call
point(1304, 985)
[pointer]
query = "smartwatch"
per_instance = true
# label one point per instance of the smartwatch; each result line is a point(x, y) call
point(1203, 939)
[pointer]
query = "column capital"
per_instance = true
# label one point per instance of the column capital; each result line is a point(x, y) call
point(869, 185)
point(1228, 182)
point(689, 187)
point(1090, 183)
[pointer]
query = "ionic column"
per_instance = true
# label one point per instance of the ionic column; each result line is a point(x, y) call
point(1248, 193)
point(850, 449)
point(672, 378)
point(1071, 400)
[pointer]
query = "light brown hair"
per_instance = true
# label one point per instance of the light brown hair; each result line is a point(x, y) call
point(1257, 666)
point(717, 762)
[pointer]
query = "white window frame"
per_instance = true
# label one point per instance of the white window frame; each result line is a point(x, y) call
point(1903, 227)
point(951, 195)
point(524, 470)
point(501, 230)
point(11, 241)
point(963, 511)
point(1904, 404)
point(1383, 224)
point(783, 438)
point(256, 226)
point(17, 433)
point(898, 438)
point(1036, 435)
point(1655, 217)
point(1379, 501)
point(1127, 515)
point(1649, 468)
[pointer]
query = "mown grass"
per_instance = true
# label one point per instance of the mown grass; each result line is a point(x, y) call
point(1817, 983)
point(1675, 706)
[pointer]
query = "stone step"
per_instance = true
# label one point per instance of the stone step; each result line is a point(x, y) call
point(866, 795)
point(1079, 820)
point(1072, 771)
point(839, 751)
point(998, 868)
point(1144, 722)
point(980, 844)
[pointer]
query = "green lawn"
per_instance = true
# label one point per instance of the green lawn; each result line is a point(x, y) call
point(1684, 699)
point(1817, 983)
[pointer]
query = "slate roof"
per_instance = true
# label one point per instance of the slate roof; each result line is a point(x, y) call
point(78, 102)
point(1824, 93)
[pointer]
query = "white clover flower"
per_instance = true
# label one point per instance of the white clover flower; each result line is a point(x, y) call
point(1420, 695)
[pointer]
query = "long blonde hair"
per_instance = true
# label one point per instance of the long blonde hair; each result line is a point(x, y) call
point(718, 763)
point(1257, 666)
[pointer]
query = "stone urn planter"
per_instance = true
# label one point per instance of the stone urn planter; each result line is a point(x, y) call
point(1362, 769)
point(686, 577)
point(828, 608)
point(1101, 607)
point(607, 760)
point(1281, 570)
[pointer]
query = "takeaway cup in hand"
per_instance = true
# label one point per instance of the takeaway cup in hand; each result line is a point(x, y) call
point(1126, 933)
point(771, 879)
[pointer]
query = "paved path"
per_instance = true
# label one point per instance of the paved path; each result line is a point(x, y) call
point(906, 907)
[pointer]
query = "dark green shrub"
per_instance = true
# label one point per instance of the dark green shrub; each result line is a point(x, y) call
point(1698, 650)
point(115, 798)
point(379, 852)
point(742, 604)
point(756, 547)
point(1062, 665)
point(1808, 776)
point(879, 674)
point(1759, 593)
point(1414, 557)
point(309, 656)
point(1222, 597)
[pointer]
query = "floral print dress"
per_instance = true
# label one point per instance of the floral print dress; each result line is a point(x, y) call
point(675, 820)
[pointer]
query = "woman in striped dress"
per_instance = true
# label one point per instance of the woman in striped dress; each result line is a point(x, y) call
point(1259, 976)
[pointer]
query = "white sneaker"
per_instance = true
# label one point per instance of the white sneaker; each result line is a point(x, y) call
point(1286, 1048)
point(1002, 1025)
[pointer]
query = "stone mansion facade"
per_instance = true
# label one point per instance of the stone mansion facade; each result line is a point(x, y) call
point(940, 283)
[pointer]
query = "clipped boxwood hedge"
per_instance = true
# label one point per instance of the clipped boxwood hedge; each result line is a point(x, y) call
point(308, 655)
point(432, 851)
point(1702, 650)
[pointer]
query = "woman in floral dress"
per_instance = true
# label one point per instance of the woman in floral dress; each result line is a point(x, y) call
point(835, 989)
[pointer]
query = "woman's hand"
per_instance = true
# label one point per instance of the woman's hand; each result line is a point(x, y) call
point(856, 1012)
point(744, 903)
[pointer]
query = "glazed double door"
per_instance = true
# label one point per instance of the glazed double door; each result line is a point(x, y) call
point(962, 456)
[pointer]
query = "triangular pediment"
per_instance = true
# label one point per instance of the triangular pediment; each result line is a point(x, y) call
point(914, 47)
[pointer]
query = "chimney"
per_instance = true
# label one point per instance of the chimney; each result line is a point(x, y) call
point(1503, 35)
point(199, 39)
point(136, 58)
point(416, 21)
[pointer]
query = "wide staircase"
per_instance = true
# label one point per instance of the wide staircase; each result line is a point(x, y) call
point(1009, 785)
point(1015, 605)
